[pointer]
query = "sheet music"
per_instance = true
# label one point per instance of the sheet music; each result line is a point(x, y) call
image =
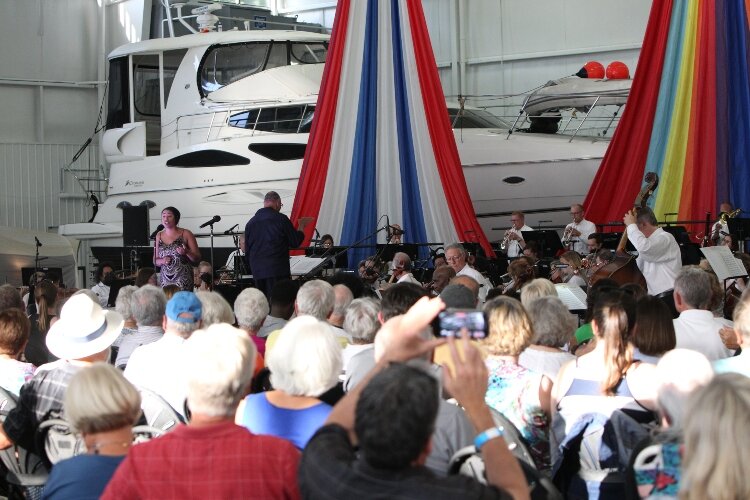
point(724, 264)
point(299, 264)
point(572, 296)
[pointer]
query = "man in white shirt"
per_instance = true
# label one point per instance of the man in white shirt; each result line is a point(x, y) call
point(697, 328)
point(721, 226)
point(402, 269)
point(514, 235)
point(659, 257)
point(578, 231)
point(455, 254)
point(229, 266)
point(158, 366)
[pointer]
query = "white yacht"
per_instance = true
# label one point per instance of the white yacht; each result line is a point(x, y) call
point(209, 122)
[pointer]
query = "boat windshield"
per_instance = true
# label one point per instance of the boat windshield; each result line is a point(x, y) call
point(475, 118)
point(225, 64)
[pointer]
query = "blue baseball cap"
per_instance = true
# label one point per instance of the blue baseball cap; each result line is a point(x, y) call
point(184, 307)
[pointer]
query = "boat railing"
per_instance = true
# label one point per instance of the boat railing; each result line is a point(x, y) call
point(215, 122)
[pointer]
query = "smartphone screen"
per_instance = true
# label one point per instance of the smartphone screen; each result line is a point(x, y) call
point(451, 321)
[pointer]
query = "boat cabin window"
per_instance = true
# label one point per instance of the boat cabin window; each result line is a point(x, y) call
point(225, 64)
point(475, 118)
point(118, 93)
point(282, 119)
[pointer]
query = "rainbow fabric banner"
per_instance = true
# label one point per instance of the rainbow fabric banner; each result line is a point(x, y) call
point(687, 117)
point(381, 142)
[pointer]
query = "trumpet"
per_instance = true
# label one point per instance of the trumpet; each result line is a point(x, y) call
point(506, 241)
point(567, 238)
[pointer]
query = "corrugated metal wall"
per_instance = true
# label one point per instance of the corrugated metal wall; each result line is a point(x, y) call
point(34, 193)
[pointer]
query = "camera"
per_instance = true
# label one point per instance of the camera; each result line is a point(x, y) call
point(450, 322)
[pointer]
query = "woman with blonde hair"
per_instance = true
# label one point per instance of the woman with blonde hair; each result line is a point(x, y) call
point(521, 395)
point(717, 450)
point(103, 407)
point(539, 287)
point(569, 269)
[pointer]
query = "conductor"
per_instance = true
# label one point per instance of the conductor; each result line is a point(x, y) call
point(268, 237)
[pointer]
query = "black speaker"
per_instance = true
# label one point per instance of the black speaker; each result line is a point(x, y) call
point(135, 226)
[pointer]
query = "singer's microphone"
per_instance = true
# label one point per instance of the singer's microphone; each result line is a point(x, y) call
point(229, 231)
point(213, 220)
point(158, 228)
point(38, 243)
point(397, 231)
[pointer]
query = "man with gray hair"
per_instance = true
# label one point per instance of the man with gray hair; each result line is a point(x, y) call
point(268, 237)
point(211, 457)
point(697, 328)
point(343, 296)
point(401, 272)
point(157, 366)
point(456, 254)
point(315, 298)
point(147, 305)
point(361, 323)
point(659, 257)
point(251, 309)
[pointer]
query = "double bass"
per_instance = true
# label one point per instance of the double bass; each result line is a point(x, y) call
point(623, 269)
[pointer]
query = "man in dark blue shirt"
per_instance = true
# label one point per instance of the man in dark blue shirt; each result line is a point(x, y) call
point(268, 237)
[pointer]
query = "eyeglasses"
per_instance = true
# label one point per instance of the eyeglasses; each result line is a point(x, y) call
point(454, 258)
point(576, 213)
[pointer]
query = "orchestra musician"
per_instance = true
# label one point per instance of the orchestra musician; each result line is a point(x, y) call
point(568, 270)
point(659, 257)
point(513, 242)
point(575, 235)
point(721, 226)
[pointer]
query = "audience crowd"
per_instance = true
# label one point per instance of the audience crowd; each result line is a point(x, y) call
point(334, 389)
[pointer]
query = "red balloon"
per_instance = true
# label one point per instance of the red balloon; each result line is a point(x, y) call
point(618, 70)
point(592, 69)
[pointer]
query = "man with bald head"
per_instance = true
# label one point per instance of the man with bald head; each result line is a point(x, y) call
point(578, 231)
point(471, 284)
point(268, 237)
point(441, 276)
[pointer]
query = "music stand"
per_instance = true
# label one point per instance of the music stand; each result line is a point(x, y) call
point(547, 241)
point(342, 261)
point(680, 233)
point(740, 227)
point(610, 241)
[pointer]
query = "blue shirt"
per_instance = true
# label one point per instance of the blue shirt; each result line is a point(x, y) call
point(81, 477)
point(268, 237)
point(297, 426)
point(736, 364)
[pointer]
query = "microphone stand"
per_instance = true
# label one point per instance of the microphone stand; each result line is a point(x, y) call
point(211, 225)
point(335, 256)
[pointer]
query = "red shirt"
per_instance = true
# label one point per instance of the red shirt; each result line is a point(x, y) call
point(218, 461)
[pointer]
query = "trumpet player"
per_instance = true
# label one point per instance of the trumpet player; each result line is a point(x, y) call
point(577, 232)
point(721, 226)
point(513, 243)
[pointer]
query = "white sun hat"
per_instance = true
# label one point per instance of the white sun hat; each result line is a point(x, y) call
point(84, 328)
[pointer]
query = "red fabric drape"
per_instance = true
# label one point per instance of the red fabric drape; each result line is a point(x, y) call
point(441, 134)
point(619, 178)
point(699, 179)
point(312, 178)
